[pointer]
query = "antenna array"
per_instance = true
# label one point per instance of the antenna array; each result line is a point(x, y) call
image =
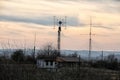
point(59, 22)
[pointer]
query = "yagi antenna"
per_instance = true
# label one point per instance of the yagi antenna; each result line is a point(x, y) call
point(65, 22)
point(59, 22)
point(56, 21)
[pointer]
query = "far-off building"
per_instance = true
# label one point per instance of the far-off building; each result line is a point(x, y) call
point(50, 62)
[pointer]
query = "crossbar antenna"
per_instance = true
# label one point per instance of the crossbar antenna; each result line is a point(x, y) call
point(90, 39)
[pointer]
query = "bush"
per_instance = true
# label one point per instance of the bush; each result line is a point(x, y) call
point(18, 56)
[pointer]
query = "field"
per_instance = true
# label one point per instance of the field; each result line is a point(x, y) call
point(31, 72)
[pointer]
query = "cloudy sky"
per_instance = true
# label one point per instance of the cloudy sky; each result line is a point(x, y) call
point(21, 19)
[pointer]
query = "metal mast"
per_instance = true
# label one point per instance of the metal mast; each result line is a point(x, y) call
point(90, 39)
point(102, 56)
point(60, 22)
point(34, 50)
point(59, 36)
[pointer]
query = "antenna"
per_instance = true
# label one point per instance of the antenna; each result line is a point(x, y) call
point(90, 39)
point(54, 21)
point(9, 48)
point(60, 22)
point(102, 56)
point(64, 20)
point(24, 45)
point(34, 50)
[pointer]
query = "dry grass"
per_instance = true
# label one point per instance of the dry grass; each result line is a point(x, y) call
point(31, 72)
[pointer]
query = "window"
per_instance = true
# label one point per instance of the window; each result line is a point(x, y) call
point(46, 62)
point(51, 63)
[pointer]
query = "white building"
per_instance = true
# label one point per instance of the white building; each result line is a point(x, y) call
point(47, 62)
point(55, 62)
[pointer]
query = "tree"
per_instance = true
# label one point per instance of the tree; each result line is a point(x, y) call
point(112, 62)
point(75, 54)
point(111, 58)
point(48, 50)
point(18, 56)
point(29, 59)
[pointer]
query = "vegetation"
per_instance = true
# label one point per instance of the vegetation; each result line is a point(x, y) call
point(110, 63)
point(23, 67)
point(18, 56)
point(48, 50)
point(30, 72)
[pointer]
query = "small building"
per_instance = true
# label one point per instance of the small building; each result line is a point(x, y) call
point(68, 61)
point(46, 62)
point(50, 62)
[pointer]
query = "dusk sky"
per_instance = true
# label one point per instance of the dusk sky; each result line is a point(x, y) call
point(21, 19)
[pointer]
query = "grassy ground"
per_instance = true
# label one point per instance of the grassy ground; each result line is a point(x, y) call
point(31, 72)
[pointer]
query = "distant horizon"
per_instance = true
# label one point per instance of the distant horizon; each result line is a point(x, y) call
point(65, 50)
point(83, 53)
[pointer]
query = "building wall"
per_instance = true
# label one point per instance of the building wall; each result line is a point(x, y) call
point(46, 64)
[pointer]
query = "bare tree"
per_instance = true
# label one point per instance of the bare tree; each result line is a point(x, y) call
point(48, 50)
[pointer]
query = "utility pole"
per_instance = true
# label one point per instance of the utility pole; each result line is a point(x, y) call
point(102, 56)
point(34, 49)
point(24, 46)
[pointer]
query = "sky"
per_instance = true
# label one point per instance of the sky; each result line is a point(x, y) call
point(20, 20)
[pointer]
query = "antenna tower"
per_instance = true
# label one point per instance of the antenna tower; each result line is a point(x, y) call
point(90, 39)
point(60, 22)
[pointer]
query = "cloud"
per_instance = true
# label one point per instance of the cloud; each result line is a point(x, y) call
point(42, 21)
point(105, 27)
point(45, 20)
point(117, 0)
point(24, 17)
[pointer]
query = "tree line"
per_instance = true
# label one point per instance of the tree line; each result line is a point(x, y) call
point(19, 57)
